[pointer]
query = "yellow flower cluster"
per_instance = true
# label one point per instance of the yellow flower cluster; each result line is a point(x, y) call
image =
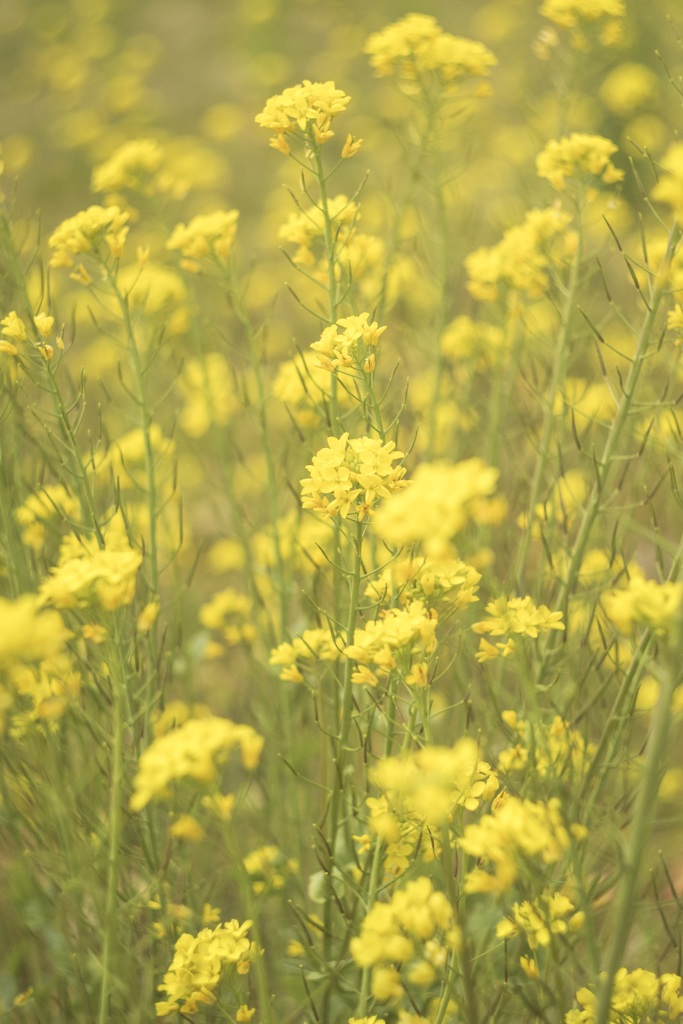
point(133, 166)
point(86, 573)
point(427, 785)
point(637, 996)
point(198, 963)
point(45, 691)
point(13, 332)
point(569, 13)
point(541, 919)
point(28, 633)
point(347, 347)
point(86, 232)
point(313, 645)
point(230, 614)
point(52, 500)
point(438, 503)
point(628, 87)
point(304, 109)
point(356, 472)
point(417, 45)
point(578, 156)
point(554, 749)
point(516, 831)
point(207, 236)
point(401, 638)
point(513, 615)
point(423, 579)
point(644, 603)
point(669, 188)
point(192, 751)
point(522, 257)
point(415, 930)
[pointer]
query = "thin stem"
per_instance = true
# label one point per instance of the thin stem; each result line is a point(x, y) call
point(641, 828)
point(115, 829)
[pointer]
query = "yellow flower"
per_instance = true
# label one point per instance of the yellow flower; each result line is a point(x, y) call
point(515, 831)
point(417, 45)
point(522, 258)
point(637, 995)
point(207, 236)
point(628, 87)
point(342, 348)
point(643, 602)
point(198, 964)
point(187, 827)
point(356, 472)
point(436, 505)
point(86, 231)
point(303, 108)
point(133, 165)
point(577, 156)
point(28, 633)
point(13, 327)
point(569, 13)
point(191, 751)
point(86, 573)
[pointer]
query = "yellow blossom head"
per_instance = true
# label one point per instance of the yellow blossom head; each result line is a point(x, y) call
point(349, 476)
point(580, 157)
point(305, 110)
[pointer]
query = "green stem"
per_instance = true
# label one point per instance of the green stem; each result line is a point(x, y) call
point(641, 828)
point(558, 374)
point(146, 423)
point(339, 782)
point(115, 829)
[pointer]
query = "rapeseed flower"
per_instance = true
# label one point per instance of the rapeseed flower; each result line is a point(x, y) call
point(308, 107)
point(29, 633)
point(208, 236)
point(515, 832)
point(357, 472)
point(193, 751)
point(643, 602)
point(637, 995)
point(86, 233)
point(541, 919)
point(427, 786)
point(417, 45)
point(86, 573)
point(436, 505)
point(197, 966)
point(524, 256)
point(580, 157)
point(347, 347)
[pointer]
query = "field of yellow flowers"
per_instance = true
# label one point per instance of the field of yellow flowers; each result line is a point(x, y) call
point(341, 512)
